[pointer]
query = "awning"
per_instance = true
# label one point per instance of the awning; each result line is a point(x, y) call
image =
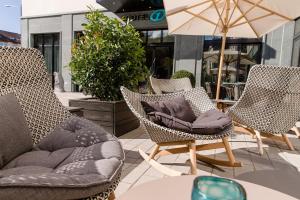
point(113, 5)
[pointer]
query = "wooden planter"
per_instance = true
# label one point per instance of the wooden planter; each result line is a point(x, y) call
point(113, 116)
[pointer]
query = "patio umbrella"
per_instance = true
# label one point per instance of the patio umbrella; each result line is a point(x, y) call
point(228, 18)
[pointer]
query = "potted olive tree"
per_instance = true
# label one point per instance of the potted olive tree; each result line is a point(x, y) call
point(108, 55)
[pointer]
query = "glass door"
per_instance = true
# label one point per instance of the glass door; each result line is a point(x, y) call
point(296, 52)
point(160, 58)
point(159, 47)
point(49, 45)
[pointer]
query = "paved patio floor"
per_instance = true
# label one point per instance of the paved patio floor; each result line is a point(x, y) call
point(277, 169)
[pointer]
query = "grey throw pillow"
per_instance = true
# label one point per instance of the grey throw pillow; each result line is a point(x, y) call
point(170, 121)
point(178, 107)
point(211, 122)
point(15, 138)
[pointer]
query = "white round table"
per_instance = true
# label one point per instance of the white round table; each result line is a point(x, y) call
point(180, 188)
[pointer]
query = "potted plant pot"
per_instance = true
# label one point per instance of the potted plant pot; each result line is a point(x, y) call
point(109, 55)
point(113, 116)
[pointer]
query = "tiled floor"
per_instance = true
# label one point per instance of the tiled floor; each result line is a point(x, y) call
point(275, 169)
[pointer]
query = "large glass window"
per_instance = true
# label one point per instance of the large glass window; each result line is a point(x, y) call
point(296, 47)
point(239, 56)
point(77, 36)
point(159, 48)
point(49, 45)
point(154, 36)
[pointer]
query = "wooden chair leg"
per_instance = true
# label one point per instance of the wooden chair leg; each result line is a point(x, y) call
point(259, 142)
point(192, 147)
point(228, 151)
point(296, 130)
point(154, 152)
point(288, 142)
point(112, 196)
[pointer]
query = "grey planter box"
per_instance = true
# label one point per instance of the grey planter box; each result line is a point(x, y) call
point(113, 116)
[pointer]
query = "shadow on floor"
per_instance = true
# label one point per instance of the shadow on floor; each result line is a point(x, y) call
point(284, 181)
point(132, 160)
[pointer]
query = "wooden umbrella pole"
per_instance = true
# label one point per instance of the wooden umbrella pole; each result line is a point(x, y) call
point(225, 31)
point(221, 65)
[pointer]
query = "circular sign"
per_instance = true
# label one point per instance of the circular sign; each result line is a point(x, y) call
point(158, 15)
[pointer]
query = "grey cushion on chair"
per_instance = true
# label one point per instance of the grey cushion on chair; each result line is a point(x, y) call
point(211, 122)
point(208, 123)
point(75, 132)
point(15, 137)
point(170, 121)
point(178, 107)
point(76, 154)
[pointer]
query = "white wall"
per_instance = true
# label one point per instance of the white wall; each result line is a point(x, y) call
point(31, 8)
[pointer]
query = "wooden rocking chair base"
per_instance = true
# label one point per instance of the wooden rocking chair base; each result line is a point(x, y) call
point(259, 135)
point(296, 130)
point(159, 167)
point(192, 148)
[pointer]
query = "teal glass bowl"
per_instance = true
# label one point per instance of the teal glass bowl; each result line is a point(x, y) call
point(216, 188)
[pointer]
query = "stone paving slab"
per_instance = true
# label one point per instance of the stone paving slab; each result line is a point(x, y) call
point(271, 170)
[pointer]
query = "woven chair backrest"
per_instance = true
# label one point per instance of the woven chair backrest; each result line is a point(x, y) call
point(160, 86)
point(271, 99)
point(23, 72)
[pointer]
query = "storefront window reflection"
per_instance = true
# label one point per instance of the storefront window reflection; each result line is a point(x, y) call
point(159, 48)
point(154, 36)
point(240, 56)
point(167, 37)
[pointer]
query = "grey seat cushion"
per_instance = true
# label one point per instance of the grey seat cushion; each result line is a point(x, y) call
point(77, 154)
point(15, 137)
point(208, 123)
point(211, 122)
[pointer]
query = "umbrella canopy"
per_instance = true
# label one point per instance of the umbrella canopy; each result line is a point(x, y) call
point(230, 56)
point(228, 18)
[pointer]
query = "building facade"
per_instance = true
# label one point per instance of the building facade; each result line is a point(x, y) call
point(51, 26)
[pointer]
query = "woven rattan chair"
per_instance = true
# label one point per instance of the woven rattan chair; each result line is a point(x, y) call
point(23, 72)
point(163, 136)
point(160, 86)
point(270, 103)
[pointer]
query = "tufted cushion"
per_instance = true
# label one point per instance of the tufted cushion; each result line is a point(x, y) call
point(76, 154)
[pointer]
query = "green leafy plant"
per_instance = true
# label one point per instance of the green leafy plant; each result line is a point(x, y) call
point(108, 55)
point(185, 74)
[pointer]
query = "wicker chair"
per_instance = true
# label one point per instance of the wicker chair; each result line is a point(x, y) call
point(23, 72)
point(163, 136)
point(160, 86)
point(270, 103)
